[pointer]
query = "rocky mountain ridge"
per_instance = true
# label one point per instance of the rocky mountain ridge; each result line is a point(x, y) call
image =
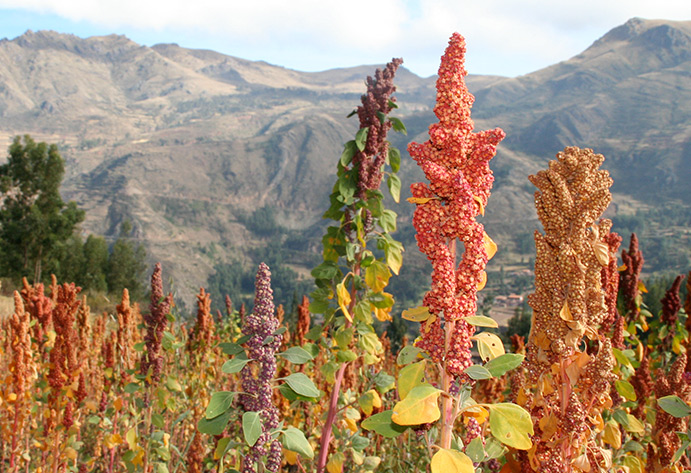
point(187, 143)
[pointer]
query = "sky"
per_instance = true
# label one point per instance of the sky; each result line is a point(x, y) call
point(504, 37)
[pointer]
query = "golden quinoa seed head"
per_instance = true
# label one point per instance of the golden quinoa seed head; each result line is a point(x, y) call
point(569, 302)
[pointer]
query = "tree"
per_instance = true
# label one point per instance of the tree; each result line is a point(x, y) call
point(34, 220)
point(126, 265)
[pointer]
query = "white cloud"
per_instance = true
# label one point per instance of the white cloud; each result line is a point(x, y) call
point(503, 35)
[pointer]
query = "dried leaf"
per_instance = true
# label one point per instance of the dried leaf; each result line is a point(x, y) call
point(490, 246)
point(565, 313)
point(549, 425)
point(601, 252)
point(420, 200)
point(417, 314)
point(344, 300)
point(483, 281)
point(480, 205)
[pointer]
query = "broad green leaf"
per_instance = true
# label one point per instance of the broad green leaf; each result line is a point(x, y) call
point(384, 382)
point(417, 314)
point(349, 151)
point(214, 426)
point(295, 441)
point(291, 395)
point(511, 425)
point(419, 407)
point(625, 389)
point(251, 427)
point(296, 355)
point(476, 450)
point(409, 377)
point(361, 138)
point(481, 321)
point(387, 221)
point(301, 384)
point(230, 348)
point(219, 403)
point(394, 184)
point(407, 355)
point(504, 363)
point(371, 343)
point(451, 461)
point(236, 364)
point(394, 159)
point(383, 425)
point(221, 448)
point(674, 406)
point(398, 125)
point(477, 372)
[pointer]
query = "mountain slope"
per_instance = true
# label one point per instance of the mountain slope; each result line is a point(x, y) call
point(188, 143)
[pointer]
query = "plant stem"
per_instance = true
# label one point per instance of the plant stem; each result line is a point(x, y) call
point(447, 407)
point(328, 426)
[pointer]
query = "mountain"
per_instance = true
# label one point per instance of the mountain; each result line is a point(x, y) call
point(188, 144)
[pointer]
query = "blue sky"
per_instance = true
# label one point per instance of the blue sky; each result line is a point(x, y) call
point(505, 37)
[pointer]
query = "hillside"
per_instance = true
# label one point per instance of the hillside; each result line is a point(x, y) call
point(187, 144)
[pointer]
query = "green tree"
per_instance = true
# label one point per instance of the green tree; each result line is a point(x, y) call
point(126, 265)
point(34, 220)
point(95, 252)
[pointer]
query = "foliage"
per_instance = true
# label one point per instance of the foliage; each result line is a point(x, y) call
point(34, 220)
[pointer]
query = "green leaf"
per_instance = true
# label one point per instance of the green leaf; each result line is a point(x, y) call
point(214, 426)
point(346, 356)
point(295, 441)
point(326, 270)
point(394, 184)
point(251, 427)
point(674, 406)
point(477, 372)
point(230, 348)
point(511, 425)
point(625, 389)
point(301, 384)
point(387, 221)
point(398, 125)
point(361, 138)
point(411, 376)
point(394, 159)
point(383, 425)
point(504, 363)
point(481, 321)
point(476, 450)
point(219, 403)
point(349, 151)
point(291, 395)
point(384, 382)
point(296, 355)
point(408, 354)
point(236, 364)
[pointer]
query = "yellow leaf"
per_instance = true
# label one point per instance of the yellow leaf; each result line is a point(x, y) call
point(483, 281)
point(351, 424)
point(641, 287)
point(417, 314)
point(113, 440)
point(344, 300)
point(71, 453)
point(479, 413)
point(377, 276)
point(11, 397)
point(490, 246)
point(489, 345)
point(117, 404)
point(290, 456)
point(549, 425)
point(451, 461)
point(480, 205)
point(622, 268)
point(138, 458)
point(634, 464)
point(131, 437)
point(601, 252)
point(612, 434)
point(382, 315)
point(420, 200)
point(565, 313)
point(335, 464)
point(409, 377)
point(634, 425)
point(427, 326)
point(419, 407)
point(369, 401)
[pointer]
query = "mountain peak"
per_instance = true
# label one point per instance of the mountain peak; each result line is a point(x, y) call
point(653, 33)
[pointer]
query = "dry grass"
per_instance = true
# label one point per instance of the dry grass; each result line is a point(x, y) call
point(6, 306)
